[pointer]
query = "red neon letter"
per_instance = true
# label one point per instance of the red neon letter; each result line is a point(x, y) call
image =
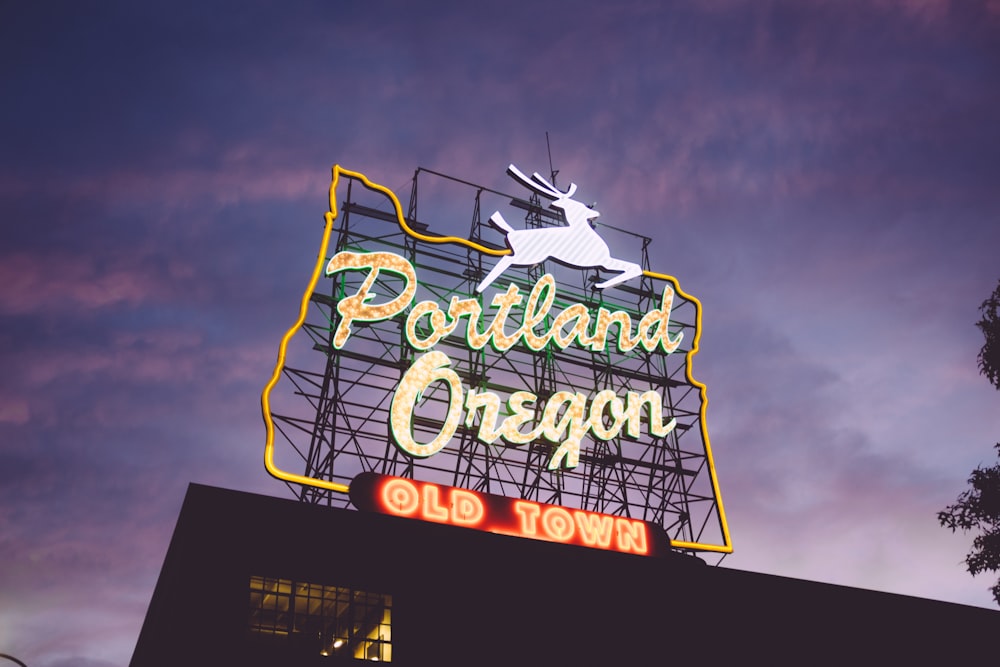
point(558, 523)
point(433, 509)
point(466, 508)
point(529, 516)
point(595, 529)
point(631, 536)
point(400, 496)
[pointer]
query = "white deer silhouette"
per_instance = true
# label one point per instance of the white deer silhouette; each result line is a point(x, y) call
point(577, 244)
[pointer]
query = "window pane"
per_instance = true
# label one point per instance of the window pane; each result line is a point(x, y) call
point(334, 619)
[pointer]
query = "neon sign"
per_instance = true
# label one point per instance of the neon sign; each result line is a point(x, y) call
point(567, 417)
point(507, 516)
point(575, 244)
point(454, 381)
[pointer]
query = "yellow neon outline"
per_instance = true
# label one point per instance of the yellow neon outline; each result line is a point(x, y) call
point(330, 216)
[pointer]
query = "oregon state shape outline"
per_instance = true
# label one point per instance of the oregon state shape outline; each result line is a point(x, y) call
point(321, 260)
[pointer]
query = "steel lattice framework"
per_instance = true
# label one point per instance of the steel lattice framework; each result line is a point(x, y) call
point(331, 410)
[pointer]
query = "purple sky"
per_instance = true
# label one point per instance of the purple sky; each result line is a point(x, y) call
point(822, 175)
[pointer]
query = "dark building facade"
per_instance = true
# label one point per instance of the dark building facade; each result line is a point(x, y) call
point(256, 580)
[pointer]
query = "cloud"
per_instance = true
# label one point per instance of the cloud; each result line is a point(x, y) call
point(32, 283)
point(818, 173)
point(14, 410)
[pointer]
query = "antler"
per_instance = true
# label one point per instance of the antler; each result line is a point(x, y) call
point(540, 185)
point(561, 195)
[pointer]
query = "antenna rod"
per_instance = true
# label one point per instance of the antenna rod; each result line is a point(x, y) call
point(552, 170)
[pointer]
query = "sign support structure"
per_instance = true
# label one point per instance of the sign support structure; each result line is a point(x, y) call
point(329, 406)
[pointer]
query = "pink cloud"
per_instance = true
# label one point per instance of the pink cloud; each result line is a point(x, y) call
point(14, 410)
point(171, 355)
point(238, 182)
point(928, 11)
point(30, 283)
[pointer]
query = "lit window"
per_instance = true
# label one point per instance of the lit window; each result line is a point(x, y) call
point(332, 620)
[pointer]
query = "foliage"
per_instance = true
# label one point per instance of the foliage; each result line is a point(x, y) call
point(989, 356)
point(978, 508)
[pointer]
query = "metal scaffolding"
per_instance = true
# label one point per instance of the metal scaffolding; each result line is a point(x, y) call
point(332, 405)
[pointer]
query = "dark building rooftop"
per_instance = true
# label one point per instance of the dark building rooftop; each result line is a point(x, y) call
point(256, 580)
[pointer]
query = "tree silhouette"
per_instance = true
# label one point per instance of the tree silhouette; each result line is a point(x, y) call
point(989, 356)
point(978, 508)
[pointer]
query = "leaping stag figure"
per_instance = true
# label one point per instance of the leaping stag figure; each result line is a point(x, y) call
point(577, 244)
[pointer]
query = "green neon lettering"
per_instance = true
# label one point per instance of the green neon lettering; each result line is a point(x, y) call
point(520, 414)
point(357, 307)
point(429, 368)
